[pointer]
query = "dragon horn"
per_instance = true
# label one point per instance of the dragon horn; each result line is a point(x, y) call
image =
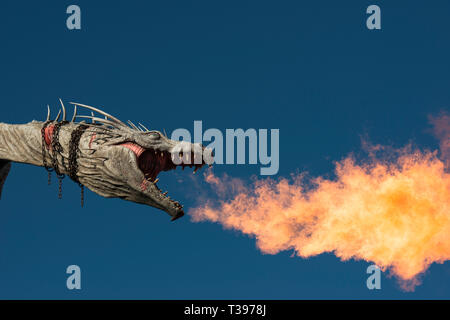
point(63, 109)
point(48, 113)
point(133, 125)
point(100, 120)
point(57, 117)
point(114, 119)
point(74, 114)
point(143, 126)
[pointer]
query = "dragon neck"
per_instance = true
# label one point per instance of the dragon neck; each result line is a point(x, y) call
point(21, 143)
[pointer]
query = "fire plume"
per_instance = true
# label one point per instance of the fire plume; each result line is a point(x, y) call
point(394, 213)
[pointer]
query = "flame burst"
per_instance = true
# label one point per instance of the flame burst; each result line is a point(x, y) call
point(394, 213)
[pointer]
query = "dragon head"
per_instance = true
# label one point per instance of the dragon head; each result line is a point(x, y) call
point(128, 159)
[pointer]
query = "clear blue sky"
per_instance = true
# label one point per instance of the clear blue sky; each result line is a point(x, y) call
point(309, 68)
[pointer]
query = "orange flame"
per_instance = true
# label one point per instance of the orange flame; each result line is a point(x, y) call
point(393, 213)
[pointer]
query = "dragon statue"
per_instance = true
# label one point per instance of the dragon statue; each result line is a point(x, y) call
point(111, 158)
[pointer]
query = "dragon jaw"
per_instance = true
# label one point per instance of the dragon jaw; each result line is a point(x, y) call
point(147, 162)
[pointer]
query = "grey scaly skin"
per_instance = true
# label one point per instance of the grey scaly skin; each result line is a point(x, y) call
point(115, 160)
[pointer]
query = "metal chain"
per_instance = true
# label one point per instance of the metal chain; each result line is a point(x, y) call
point(82, 195)
point(56, 148)
point(74, 149)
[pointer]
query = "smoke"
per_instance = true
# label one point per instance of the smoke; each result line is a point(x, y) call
point(441, 130)
point(392, 210)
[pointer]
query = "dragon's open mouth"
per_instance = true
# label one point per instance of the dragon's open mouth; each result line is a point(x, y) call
point(151, 162)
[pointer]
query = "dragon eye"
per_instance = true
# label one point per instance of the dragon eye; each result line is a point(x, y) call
point(154, 135)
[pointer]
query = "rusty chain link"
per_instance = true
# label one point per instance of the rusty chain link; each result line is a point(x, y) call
point(74, 149)
point(56, 149)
